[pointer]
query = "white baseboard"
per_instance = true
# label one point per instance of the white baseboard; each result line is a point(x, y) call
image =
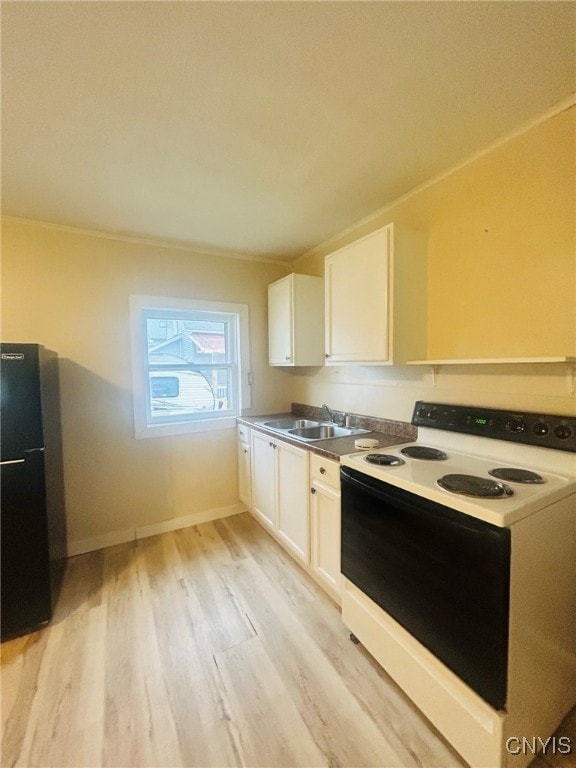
point(100, 542)
point(143, 531)
point(153, 529)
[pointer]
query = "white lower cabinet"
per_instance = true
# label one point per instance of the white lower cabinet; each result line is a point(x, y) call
point(296, 496)
point(264, 479)
point(280, 497)
point(244, 466)
point(325, 523)
point(292, 502)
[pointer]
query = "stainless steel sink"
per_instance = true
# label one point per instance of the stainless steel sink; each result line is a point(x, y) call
point(286, 424)
point(310, 429)
point(324, 432)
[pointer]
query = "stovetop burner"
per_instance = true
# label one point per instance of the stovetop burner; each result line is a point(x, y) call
point(513, 475)
point(424, 452)
point(384, 459)
point(478, 487)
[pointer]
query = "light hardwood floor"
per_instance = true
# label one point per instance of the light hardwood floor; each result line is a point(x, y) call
point(204, 647)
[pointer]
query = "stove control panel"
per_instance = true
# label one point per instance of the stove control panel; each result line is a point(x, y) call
point(544, 430)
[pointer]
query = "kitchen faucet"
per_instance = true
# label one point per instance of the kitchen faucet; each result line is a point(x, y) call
point(332, 415)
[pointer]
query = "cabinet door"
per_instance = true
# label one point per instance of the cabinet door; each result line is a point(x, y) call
point(280, 323)
point(293, 499)
point(263, 478)
point(325, 534)
point(244, 474)
point(357, 301)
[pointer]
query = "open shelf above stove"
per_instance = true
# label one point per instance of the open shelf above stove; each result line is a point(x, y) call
point(568, 361)
point(494, 360)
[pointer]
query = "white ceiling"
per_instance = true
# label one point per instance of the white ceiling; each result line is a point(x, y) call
point(260, 127)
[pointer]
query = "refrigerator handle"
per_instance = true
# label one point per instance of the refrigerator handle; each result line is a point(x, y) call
point(21, 461)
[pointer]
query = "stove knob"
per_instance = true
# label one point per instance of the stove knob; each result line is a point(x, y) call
point(515, 425)
point(433, 415)
point(421, 413)
point(541, 428)
point(563, 432)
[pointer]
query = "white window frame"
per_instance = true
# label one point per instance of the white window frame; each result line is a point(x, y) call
point(140, 371)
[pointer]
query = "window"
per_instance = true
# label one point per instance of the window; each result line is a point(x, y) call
point(190, 364)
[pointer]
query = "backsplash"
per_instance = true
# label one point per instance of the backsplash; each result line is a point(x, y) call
point(400, 428)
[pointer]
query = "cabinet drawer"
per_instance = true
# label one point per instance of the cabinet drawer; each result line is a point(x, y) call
point(325, 470)
point(243, 433)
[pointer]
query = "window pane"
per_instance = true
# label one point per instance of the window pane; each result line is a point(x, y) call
point(191, 393)
point(173, 341)
point(222, 388)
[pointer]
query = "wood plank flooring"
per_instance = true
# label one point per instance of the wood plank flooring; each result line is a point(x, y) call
point(205, 647)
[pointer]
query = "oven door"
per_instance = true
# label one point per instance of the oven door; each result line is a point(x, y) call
point(441, 574)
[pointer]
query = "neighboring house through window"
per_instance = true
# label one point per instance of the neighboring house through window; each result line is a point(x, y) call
point(190, 364)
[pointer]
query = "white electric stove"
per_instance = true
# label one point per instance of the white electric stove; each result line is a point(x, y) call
point(488, 479)
point(459, 573)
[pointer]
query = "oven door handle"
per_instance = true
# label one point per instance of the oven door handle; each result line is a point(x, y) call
point(365, 483)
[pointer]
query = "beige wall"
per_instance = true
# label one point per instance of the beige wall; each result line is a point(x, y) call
point(69, 291)
point(502, 282)
point(501, 277)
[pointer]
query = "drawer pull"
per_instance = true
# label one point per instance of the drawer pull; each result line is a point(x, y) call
point(323, 471)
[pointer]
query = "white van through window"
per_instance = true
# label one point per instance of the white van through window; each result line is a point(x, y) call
point(190, 364)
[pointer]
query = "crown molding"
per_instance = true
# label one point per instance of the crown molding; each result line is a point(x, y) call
point(557, 109)
point(148, 241)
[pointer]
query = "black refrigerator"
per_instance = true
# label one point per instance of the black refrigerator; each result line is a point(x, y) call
point(33, 531)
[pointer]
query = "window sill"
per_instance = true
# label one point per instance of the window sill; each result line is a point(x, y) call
point(185, 427)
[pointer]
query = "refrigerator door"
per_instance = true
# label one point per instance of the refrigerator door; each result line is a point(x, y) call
point(20, 400)
point(25, 566)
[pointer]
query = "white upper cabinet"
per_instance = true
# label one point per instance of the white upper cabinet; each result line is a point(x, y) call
point(375, 299)
point(296, 321)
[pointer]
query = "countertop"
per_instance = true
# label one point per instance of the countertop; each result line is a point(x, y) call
point(396, 434)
